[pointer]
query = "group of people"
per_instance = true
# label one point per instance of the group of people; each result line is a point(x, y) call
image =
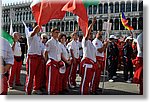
point(52, 64)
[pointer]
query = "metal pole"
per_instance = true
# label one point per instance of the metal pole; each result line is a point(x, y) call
point(107, 36)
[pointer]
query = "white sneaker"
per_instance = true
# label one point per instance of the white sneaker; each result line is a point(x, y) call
point(110, 80)
point(114, 77)
point(128, 81)
point(72, 86)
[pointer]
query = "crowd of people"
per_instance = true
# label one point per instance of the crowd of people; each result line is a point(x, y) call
point(52, 64)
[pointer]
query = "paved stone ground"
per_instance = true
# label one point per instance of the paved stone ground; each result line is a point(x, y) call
point(118, 87)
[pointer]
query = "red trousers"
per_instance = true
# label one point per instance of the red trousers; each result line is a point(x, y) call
point(138, 74)
point(52, 77)
point(15, 71)
point(42, 71)
point(73, 70)
point(33, 67)
point(3, 86)
point(97, 73)
point(88, 69)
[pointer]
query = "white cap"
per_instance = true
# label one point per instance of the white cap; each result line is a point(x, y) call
point(128, 38)
point(112, 37)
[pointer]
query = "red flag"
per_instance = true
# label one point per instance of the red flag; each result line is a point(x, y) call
point(45, 10)
point(77, 7)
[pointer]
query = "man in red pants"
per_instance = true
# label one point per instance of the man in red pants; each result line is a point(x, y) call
point(88, 63)
point(6, 61)
point(53, 57)
point(15, 71)
point(33, 61)
point(74, 51)
point(100, 47)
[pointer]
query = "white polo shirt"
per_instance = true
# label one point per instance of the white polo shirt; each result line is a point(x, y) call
point(74, 46)
point(89, 50)
point(140, 45)
point(6, 52)
point(64, 51)
point(98, 44)
point(54, 50)
point(17, 49)
point(33, 45)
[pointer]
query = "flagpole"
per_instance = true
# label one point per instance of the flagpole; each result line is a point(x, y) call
point(107, 36)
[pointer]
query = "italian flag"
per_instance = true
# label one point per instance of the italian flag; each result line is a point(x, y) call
point(6, 36)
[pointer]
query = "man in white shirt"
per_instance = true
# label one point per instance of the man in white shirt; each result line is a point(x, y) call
point(88, 63)
point(100, 47)
point(33, 61)
point(74, 51)
point(15, 71)
point(54, 64)
point(6, 61)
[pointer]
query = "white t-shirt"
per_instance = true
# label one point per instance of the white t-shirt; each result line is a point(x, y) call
point(17, 49)
point(54, 50)
point(89, 50)
point(34, 45)
point(140, 45)
point(98, 44)
point(6, 52)
point(74, 46)
point(64, 51)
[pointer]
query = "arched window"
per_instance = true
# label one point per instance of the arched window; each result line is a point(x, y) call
point(140, 23)
point(67, 26)
point(128, 6)
point(54, 25)
point(67, 14)
point(75, 25)
point(134, 23)
point(141, 6)
point(95, 9)
point(90, 9)
point(106, 8)
point(58, 25)
point(95, 26)
point(116, 7)
point(50, 26)
point(26, 15)
point(111, 7)
point(71, 26)
point(111, 21)
point(121, 26)
point(134, 6)
point(62, 26)
point(100, 9)
point(116, 24)
point(122, 6)
point(100, 25)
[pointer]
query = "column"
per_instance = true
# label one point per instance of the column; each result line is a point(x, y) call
point(69, 27)
point(97, 24)
point(137, 23)
point(119, 24)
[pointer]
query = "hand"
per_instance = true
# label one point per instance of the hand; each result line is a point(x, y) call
point(69, 62)
point(36, 29)
point(94, 20)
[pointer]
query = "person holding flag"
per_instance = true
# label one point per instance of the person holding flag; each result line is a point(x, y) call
point(88, 63)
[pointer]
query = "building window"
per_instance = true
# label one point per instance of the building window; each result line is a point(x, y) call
point(95, 9)
point(62, 26)
point(128, 6)
point(122, 7)
point(50, 26)
point(134, 6)
point(100, 8)
point(129, 21)
point(140, 23)
point(95, 26)
point(111, 21)
point(116, 7)
point(106, 8)
point(111, 7)
point(67, 26)
point(54, 24)
point(100, 25)
point(90, 9)
point(71, 14)
point(141, 6)
point(58, 25)
point(71, 26)
point(134, 23)
point(67, 14)
point(116, 24)
point(26, 15)
point(121, 26)
point(75, 25)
